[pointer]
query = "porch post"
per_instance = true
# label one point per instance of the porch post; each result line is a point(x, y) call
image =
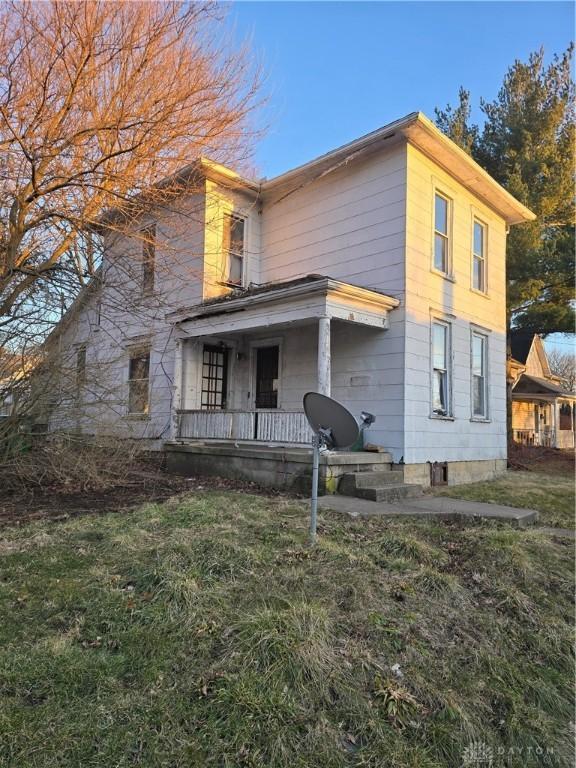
point(176, 391)
point(324, 361)
point(555, 420)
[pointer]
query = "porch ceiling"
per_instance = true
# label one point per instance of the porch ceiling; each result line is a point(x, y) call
point(278, 304)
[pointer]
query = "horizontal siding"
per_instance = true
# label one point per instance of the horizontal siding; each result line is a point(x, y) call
point(349, 225)
point(428, 295)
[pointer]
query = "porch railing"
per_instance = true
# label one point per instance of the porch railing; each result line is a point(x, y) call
point(270, 426)
point(544, 438)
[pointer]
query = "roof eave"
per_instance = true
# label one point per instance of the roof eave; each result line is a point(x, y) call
point(424, 135)
point(386, 303)
point(421, 133)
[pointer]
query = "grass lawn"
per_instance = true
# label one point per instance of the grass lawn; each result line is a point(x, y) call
point(551, 495)
point(204, 632)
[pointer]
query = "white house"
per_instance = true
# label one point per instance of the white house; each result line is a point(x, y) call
point(374, 273)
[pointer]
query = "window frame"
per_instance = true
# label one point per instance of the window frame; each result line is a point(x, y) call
point(231, 216)
point(447, 325)
point(134, 353)
point(148, 274)
point(273, 341)
point(80, 374)
point(485, 416)
point(483, 258)
point(224, 394)
point(448, 236)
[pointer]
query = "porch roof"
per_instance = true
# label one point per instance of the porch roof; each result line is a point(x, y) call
point(532, 387)
point(303, 299)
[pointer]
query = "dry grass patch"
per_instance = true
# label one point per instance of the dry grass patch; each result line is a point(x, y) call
point(205, 633)
point(551, 495)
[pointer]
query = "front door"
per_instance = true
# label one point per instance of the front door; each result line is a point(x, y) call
point(267, 364)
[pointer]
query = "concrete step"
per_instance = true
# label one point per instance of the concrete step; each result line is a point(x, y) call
point(389, 493)
point(350, 482)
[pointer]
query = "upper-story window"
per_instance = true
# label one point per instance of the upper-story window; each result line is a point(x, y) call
point(148, 259)
point(442, 217)
point(233, 249)
point(441, 370)
point(479, 256)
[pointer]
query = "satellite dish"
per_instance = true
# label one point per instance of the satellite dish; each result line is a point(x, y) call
point(327, 415)
point(333, 427)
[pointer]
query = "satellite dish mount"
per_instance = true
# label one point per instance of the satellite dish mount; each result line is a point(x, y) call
point(333, 427)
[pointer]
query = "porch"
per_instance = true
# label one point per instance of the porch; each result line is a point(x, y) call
point(276, 466)
point(244, 361)
point(542, 414)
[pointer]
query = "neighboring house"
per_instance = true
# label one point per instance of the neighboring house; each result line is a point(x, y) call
point(374, 273)
point(543, 410)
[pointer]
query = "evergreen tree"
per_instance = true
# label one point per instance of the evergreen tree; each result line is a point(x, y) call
point(527, 145)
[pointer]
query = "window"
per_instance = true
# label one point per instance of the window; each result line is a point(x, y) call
point(138, 381)
point(441, 383)
point(479, 354)
point(233, 249)
point(148, 259)
point(80, 367)
point(7, 405)
point(565, 416)
point(441, 233)
point(479, 256)
point(214, 377)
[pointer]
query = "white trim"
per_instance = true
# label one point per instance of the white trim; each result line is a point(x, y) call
point(483, 417)
point(231, 345)
point(478, 219)
point(436, 319)
point(438, 191)
point(421, 133)
point(377, 301)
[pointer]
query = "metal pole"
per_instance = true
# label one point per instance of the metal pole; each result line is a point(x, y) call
point(314, 503)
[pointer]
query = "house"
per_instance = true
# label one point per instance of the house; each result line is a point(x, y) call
point(374, 273)
point(543, 410)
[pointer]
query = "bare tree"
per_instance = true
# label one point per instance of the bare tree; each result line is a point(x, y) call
point(105, 110)
point(563, 364)
point(99, 101)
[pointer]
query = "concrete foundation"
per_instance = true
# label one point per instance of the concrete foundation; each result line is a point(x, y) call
point(459, 472)
point(275, 467)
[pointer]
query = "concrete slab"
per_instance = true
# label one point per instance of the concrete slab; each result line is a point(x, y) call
point(429, 507)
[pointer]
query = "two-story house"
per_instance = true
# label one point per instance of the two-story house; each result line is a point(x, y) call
point(374, 273)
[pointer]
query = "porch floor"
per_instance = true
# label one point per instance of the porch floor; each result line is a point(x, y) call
point(278, 466)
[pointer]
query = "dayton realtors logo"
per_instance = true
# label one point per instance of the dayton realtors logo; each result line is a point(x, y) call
point(478, 754)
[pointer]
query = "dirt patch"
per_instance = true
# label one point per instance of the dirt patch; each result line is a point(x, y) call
point(552, 461)
point(142, 485)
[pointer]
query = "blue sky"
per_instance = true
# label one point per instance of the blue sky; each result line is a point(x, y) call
point(338, 70)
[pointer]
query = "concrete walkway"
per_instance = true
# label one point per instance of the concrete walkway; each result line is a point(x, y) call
point(439, 507)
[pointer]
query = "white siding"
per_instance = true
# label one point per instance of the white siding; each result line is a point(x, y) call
point(369, 223)
point(429, 295)
point(349, 225)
